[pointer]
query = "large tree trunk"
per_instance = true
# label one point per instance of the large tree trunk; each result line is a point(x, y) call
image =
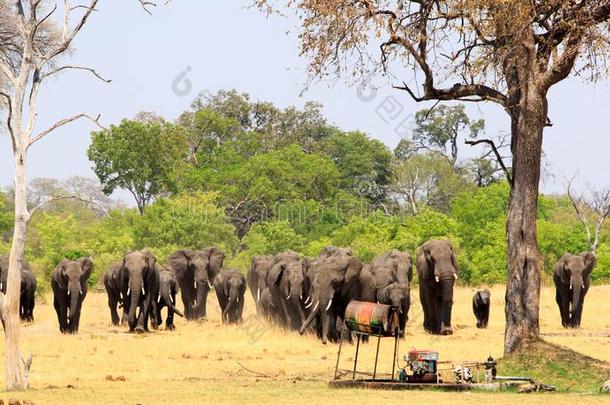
point(523, 283)
point(15, 376)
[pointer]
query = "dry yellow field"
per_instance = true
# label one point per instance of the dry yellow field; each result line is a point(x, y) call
point(208, 363)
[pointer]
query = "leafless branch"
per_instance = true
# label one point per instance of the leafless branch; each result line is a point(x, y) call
point(92, 71)
point(64, 122)
point(493, 147)
point(65, 197)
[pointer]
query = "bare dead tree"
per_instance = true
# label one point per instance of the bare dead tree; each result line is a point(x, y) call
point(34, 36)
point(596, 209)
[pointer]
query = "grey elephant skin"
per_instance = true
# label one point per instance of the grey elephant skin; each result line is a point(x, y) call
point(139, 288)
point(571, 275)
point(27, 296)
point(334, 282)
point(168, 288)
point(256, 278)
point(438, 270)
point(69, 284)
point(195, 271)
point(387, 281)
point(481, 301)
point(230, 287)
point(114, 283)
point(285, 283)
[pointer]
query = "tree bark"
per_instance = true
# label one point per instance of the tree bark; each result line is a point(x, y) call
point(15, 376)
point(523, 283)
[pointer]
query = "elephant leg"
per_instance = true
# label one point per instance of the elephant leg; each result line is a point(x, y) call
point(564, 308)
point(202, 307)
point(158, 315)
point(62, 313)
point(112, 305)
point(188, 305)
point(77, 315)
point(169, 322)
point(423, 298)
point(240, 310)
point(578, 312)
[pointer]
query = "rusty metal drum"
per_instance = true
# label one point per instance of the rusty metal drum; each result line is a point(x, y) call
point(371, 318)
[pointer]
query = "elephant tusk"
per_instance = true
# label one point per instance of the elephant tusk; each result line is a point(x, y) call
point(316, 307)
point(129, 291)
point(437, 279)
point(301, 297)
point(172, 300)
point(195, 285)
point(307, 300)
point(69, 291)
point(258, 295)
point(143, 292)
point(455, 276)
point(308, 305)
point(237, 299)
point(329, 304)
point(288, 297)
point(159, 299)
point(571, 286)
point(194, 303)
point(1, 285)
point(81, 292)
point(210, 284)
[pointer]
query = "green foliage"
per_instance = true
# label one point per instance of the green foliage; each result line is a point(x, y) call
point(141, 157)
point(185, 221)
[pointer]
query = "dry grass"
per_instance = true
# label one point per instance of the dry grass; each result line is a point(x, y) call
point(199, 361)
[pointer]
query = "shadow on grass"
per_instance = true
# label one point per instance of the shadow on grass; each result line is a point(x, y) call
point(547, 363)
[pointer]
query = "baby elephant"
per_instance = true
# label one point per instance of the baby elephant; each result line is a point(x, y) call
point(480, 306)
point(230, 286)
point(69, 283)
point(168, 288)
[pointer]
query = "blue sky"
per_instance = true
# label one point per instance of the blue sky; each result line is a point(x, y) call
point(225, 45)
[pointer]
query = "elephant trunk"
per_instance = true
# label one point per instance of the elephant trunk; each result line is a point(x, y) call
point(167, 297)
point(135, 288)
point(232, 301)
point(576, 298)
point(446, 286)
point(200, 294)
point(74, 294)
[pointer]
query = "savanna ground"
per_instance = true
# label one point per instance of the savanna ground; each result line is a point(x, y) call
point(198, 363)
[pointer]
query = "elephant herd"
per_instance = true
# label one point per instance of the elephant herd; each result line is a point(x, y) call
point(297, 294)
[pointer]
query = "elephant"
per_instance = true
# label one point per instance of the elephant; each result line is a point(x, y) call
point(256, 278)
point(480, 306)
point(336, 284)
point(401, 264)
point(168, 288)
point(378, 285)
point(27, 291)
point(438, 270)
point(139, 288)
point(69, 284)
point(230, 287)
point(114, 282)
point(285, 282)
point(572, 279)
point(195, 271)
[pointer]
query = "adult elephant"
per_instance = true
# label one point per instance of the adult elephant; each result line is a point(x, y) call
point(379, 285)
point(400, 264)
point(572, 279)
point(69, 284)
point(285, 283)
point(230, 287)
point(168, 288)
point(256, 278)
point(140, 287)
point(115, 284)
point(438, 270)
point(27, 291)
point(195, 270)
point(338, 282)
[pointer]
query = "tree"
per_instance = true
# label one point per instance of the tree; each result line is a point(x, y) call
point(31, 44)
point(141, 157)
point(440, 129)
point(597, 206)
point(508, 53)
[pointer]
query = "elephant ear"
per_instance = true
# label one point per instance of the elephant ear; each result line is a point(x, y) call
point(215, 261)
point(151, 262)
point(87, 266)
point(275, 274)
point(423, 268)
point(179, 261)
point(454, 261)
point(382, 295)
point(590, 261)
point(59, 276)
point(561, 269)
